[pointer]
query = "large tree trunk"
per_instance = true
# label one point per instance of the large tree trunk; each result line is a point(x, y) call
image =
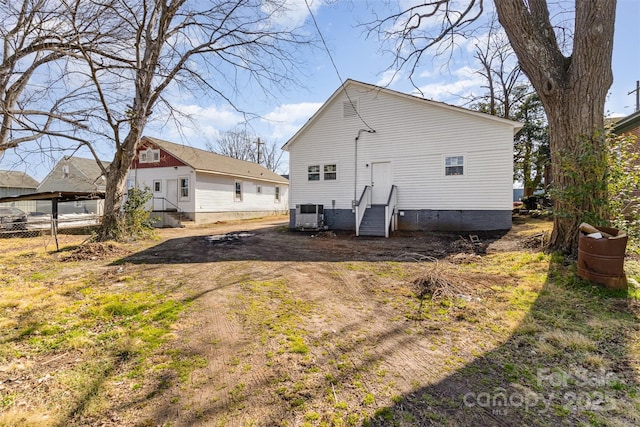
point(115, 188)
point(580, 190)
point(573, 91)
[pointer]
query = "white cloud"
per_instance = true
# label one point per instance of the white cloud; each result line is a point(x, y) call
point(426, 74)
point(201, 124)
point(390, 77)
point(465, 72)
point(466, 81)
point(291, 13)
point(285, 120)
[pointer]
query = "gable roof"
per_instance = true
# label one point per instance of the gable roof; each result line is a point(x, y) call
point(627, 123)
point(84, 175)
point(16, 179)
point(208, 162)
point(349, 82)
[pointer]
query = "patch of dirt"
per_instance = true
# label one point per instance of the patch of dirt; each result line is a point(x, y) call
point(93, 251)
point(239, 237)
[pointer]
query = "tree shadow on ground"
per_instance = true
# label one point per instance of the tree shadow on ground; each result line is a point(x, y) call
point(571, 361)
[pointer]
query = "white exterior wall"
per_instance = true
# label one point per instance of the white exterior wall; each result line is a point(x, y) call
point(415, 137)
point(216, 193)
point(145, 177)
point(212, 192)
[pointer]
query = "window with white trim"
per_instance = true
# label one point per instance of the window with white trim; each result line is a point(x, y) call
point(183, 187)
point(157, 186)
point(454, 165)
point(238, 191)
point(277, 194)
point(330, 172)
point(313, 173)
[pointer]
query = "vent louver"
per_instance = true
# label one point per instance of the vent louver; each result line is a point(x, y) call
point(349, 109)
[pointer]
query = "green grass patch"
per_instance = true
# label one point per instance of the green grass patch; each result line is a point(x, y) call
point(274, 310)
point(97, 329)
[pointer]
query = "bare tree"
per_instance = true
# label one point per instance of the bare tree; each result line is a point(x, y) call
point(152, 48)
point(242, 145)
point(271, 156)
point(34, 54)
point(571, 81)
point(501, 72)
point(510, 95)
point(238, 144)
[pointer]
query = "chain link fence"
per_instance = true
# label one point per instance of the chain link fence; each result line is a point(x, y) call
point(17, 223)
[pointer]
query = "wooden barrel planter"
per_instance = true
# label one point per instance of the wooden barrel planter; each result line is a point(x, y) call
point(602, 260)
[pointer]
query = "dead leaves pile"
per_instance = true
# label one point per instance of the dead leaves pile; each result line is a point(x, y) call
point(94, 251)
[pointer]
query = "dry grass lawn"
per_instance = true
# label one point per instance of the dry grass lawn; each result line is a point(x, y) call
point(271, 327)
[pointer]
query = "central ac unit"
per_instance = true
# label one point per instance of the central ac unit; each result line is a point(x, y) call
point(309, 216)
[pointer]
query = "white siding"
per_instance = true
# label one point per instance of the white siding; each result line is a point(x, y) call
point(145, 177)
point(415, 137)
point(214, 193)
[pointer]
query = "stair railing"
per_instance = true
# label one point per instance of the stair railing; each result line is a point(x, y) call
point(390, 214)
point(171, 205)
point(361, 207)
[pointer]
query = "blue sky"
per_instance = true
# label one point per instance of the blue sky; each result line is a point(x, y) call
point(359, 58)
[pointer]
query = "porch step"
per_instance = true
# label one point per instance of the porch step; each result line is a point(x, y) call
point(168, 218)
point(373, 221)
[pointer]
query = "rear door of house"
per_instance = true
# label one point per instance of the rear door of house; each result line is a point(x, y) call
point(172, 194)
point(380, 182)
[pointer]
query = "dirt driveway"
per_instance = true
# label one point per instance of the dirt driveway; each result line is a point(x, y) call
point(292, 328)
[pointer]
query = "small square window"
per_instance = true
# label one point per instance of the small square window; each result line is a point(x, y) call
point(157, 186)
point(314, 173)
point(330, 172)
point(454, 165)
point(277, 193)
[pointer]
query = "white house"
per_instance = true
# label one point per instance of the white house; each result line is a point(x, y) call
point(373, 159)
point(15, 183)
point(206, 187)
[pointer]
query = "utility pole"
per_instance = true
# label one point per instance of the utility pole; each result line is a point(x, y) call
point(259, 143)
point(637, 91)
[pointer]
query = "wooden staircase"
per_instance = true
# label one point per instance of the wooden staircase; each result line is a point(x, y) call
point(373, 221)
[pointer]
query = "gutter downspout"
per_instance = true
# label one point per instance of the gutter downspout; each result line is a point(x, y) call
point(355, 167)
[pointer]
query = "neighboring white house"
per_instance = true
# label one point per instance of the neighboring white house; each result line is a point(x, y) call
point(204, 186)
point(15, 183)
point(450, 168)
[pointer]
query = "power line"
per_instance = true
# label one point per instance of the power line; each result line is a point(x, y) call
point(335, 67)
